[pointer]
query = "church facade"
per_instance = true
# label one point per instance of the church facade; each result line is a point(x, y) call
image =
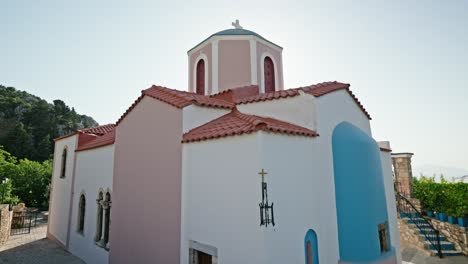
point(237, 169)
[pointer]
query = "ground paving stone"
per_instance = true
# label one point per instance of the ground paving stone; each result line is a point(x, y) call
point(413, 255)
point(35, 248)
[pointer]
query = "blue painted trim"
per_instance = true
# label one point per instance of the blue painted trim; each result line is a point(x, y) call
point(360, 194)
point(312, 237)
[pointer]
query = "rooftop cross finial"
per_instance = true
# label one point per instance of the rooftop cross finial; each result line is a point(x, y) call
point(236, 24)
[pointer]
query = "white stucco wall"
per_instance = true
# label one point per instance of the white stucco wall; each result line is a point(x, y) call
point(94, 172)
point(221, 193)
point(386, 160)
point(194, 116)
point(336, 107)
point(220, 196)
point(61, 189)
point(301, 185)
point(299, 110)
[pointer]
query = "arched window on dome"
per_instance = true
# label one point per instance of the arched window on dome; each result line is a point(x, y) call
point(200, 77)
point(269, 74)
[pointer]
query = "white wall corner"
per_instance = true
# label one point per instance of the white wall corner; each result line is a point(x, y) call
point(214, 67)
point(253, 61)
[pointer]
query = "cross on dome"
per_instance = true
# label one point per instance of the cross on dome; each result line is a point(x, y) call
point(236, 24)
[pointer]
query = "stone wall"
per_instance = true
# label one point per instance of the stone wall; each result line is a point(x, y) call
point(5, 223)
point(454, 233)
point(408, 236)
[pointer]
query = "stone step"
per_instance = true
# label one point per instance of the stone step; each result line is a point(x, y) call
point(444, 245)
point(447, 253)
point(423, 238)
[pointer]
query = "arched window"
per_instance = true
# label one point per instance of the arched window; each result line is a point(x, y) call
point(64, 163)
point(107, 219)
point(311, 247)
point(99, 201)
point(200, 81)
point(81, 213)
point(269, 74)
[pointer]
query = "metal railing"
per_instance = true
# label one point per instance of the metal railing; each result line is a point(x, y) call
point(406, 209)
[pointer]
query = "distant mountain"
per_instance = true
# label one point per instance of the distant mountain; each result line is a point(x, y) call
point(437, 170)
point(28, 124)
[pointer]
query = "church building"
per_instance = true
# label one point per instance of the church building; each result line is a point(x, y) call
point(237, 169)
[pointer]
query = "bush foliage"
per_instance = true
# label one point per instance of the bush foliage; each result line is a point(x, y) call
point(28, 181)
point(445, 197)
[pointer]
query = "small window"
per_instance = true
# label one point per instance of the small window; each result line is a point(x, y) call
point(383, 237)
point(64, 163)
point(200, 78)
point(81, 213)
point(269, 75)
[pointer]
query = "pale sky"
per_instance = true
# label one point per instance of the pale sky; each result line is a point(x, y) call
point(407, 61)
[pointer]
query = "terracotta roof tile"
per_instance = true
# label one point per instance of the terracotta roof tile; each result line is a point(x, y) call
point(179, 99)
point(237, 123)
point(316, 90)
point(99, 141)
point(100, 130)
point(236, 94)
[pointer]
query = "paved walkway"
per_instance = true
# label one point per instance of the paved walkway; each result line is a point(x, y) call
point(35, 248)
point(412, 255)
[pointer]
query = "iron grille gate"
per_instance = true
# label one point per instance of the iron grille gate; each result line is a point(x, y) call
point(23, 221)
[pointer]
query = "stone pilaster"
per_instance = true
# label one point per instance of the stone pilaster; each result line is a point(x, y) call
point(403, 173)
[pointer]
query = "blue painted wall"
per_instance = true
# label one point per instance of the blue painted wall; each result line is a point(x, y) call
point(360, 193)
point(312, 237)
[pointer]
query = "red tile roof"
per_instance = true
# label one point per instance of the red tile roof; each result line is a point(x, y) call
point(100, 130)
point(316, 90)
point(236, 94)
point(179, 99)
point(100, 141)
point(236, 123)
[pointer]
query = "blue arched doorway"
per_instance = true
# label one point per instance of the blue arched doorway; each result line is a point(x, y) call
point(361, 205)
point(311, 247)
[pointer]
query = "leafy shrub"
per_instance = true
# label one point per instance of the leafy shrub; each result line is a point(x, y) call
point(445, 197)
point(28, 180)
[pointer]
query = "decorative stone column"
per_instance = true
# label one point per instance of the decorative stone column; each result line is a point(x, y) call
point(105, 207)
point(403, 173)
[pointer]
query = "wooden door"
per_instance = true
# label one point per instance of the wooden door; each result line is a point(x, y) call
point(269, 75)
point(200, 77)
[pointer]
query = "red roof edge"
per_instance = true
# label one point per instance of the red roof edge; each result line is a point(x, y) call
point(385, 150)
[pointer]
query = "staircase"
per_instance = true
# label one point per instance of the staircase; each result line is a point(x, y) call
point(423, 231)
point(431, 239)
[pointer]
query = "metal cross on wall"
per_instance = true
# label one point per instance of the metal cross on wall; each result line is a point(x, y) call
point(266, 210)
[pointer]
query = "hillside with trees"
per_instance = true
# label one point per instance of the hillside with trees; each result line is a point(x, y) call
point(28, 124)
